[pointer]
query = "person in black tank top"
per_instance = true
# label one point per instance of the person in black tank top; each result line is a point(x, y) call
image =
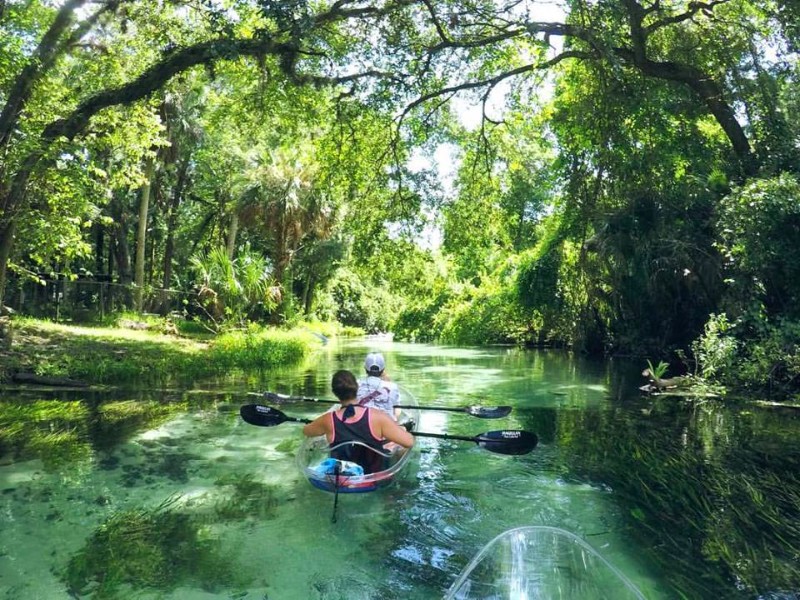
point(371, 456)
point(351, 422)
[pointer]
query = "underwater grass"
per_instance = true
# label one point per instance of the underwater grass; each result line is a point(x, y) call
point(699, 496)
point(116, 414)
point(245, 498)
point(59, 431)
point(118, 420)
point(289, 446)
point(51, 430)
point(157, 548)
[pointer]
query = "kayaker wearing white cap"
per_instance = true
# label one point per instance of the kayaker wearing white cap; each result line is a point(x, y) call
point(352, 423)
point(377, 390)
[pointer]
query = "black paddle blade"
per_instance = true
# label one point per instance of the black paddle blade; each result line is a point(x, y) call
point(513, 442)
point(488, 412)
point(264, 416)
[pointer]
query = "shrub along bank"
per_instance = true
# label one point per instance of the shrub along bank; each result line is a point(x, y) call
point(142, 352)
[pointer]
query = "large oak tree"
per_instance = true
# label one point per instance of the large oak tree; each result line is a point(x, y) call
point(412, 55)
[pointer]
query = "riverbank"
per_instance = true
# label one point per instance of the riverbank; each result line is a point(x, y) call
point(139, 352)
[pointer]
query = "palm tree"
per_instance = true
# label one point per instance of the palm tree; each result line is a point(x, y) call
point(234, 289)
point(285, 206)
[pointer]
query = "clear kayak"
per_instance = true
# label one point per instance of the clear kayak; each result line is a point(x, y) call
point(540, 562)
point(327, 474)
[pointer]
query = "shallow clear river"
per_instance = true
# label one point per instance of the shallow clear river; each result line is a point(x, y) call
point(154, 494)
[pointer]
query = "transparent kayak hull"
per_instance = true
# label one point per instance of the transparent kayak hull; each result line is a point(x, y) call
point(313, 453)
point(545, 563)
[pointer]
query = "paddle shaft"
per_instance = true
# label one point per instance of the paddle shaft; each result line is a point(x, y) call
point(447, 436)
point(501, 442)
point(321, 401)
point(482, 412)
point(441, 436)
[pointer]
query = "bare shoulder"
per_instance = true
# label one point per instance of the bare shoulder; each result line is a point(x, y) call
point(380, 416)
point(384, 420)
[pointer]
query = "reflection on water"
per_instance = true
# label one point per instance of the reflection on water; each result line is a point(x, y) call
point(172, 496)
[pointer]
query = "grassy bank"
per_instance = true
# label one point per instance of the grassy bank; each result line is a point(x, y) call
point(145, 352)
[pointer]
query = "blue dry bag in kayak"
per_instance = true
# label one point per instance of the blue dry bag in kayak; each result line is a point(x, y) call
point(346, 468)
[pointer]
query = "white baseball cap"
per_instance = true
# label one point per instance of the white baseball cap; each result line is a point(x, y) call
point(374, 363)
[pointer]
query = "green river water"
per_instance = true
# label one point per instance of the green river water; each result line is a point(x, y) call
point(170, 495)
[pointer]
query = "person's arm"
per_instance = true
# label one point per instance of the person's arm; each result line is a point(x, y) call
point(393, 432)
point(318, 426)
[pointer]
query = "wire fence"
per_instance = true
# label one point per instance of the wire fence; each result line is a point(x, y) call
point(85, 300)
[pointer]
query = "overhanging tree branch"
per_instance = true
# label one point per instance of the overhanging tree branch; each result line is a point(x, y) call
point(153, 79)
point(694, 8)
point(47, 52)
point(708, 90)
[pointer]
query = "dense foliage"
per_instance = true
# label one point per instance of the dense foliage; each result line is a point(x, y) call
point(629, 184)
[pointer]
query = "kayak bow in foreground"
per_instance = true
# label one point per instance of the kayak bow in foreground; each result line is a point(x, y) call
point(544, 563)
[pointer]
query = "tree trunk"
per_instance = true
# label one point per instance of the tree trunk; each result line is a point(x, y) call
point(111, 254)
point(6, 243)
point(169, 244)
point(308, 295)
point(43, 58)
point(710, 93)
point(233, 229)
point(99, 245)
point(141, 236)
point(119, 245)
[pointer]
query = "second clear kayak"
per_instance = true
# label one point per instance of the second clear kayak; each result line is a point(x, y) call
point(540, 562)
point(343, 477)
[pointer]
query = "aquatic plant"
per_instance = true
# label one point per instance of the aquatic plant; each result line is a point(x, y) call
point(61, 447)
point(115, 414)
point(289, 445)
point(54, 431)
point(725, 511)
point(119, 420)
point(245, 497)
point(141, 548)
point(659, 370)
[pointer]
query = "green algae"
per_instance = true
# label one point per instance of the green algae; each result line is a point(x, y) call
point(157, 548)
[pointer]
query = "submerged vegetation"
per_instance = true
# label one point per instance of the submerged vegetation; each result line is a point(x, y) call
point(243, 497)
point(54, 431)
point(724, 492)
point(60, 432)
point(149, 549)
point(170, 545)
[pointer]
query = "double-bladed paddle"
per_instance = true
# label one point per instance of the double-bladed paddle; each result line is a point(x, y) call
point(508, 441)
point(482, 412)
